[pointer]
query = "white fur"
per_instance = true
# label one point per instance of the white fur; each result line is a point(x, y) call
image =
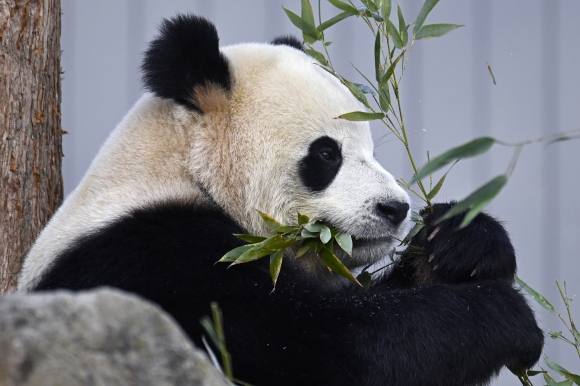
point(244, 151)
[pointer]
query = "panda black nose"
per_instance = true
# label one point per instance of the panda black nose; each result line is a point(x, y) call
point(393, 211)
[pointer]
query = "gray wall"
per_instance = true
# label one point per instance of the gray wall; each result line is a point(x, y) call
point(449, 98)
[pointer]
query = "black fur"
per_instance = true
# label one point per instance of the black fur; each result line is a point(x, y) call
point(183, 56)
point(460, 331)
point(321, 165)
point(288, 40)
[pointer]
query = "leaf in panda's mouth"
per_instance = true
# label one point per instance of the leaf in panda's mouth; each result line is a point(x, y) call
point(307, 235)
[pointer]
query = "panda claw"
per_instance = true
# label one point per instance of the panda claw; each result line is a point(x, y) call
point(432, 257)
point(474, 272)
point(435, 267)
point(433, 234)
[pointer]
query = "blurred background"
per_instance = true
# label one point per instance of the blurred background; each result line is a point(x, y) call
point(448, 98)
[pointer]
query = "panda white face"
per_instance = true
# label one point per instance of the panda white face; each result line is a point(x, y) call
point(283, 151)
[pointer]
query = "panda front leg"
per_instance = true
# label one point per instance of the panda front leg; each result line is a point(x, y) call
point(443, 253)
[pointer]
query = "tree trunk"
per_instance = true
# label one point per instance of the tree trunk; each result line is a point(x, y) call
point(30, 127)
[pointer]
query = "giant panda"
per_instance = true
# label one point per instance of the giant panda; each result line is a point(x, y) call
point(225, 132)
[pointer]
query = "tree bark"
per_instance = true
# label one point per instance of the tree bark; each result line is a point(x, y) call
point(30, 127)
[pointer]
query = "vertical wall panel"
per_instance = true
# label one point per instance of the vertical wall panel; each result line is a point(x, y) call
point(448, 97)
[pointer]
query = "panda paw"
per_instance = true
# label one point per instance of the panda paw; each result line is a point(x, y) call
point(480, 251)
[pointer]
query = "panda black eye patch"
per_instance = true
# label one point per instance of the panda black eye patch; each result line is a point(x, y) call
point(320, 166)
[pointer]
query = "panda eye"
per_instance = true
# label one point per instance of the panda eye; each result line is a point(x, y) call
point(327, 154)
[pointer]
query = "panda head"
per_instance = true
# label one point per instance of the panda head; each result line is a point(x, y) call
point(264, 136)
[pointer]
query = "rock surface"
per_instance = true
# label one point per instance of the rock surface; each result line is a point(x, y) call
point(101, 337)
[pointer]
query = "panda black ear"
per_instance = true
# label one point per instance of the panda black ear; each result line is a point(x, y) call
point(183, 56)
point(288, 40)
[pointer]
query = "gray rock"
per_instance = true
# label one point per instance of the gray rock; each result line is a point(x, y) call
point(101, 337)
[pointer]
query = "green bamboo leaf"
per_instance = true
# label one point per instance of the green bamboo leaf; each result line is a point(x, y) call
point(303, 26)
point(306, 246)
point(432, 31)
point(272, 224)
point(332, 21)
point(394, 34)
point(303, 219)
point(402, 27)
point(325, 234)
point(233, 255)
point(477, 200)
point(358, 94)
point(573, 377)
point(344, 241)
point(470, 149)
point(308, 17)
point(365, 279)
point(336, 265)
point(384, 97)
point(531, 373)
point(391, 70)
point(378, 56)
point(413, 232)
point(425, 10)
point(436, 188)
point(536, 296)
point(308, 235)
point(370, 5)
point(314, 226)
point(264, 248)
point(344, 6)
point(491, 73)
point(554, 366)
point(250, 238)
point(361, 116)
point(316, 55)
point(275, 265)
point(562, 139)
point(386, 6)
point(287, 229)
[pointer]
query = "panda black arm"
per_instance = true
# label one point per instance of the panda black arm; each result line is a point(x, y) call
point(303, 334)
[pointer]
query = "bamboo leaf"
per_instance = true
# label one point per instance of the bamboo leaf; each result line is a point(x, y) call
point(306, 246)
point(332, 21)
point(536, 296)
point(477, 200)
point(436, 188)
point(432, 31)
point(361, 116)
point(272, 224)
point(303, 26)
point(358, 94)
point(344, 6)
point(308, 17)
point(370, 5)
point(233, 255)
point(562, 139)
point(275, 265)
point(308, 235)
point(303, 219)
point(344, 241)
point(325, 234)
point(378, 56)
point(365, 279)
point(316, 55)
point(314, 227)
point(394, 34)
point(386, 6)
point(264, 248)
point(554, 366)
point(391, 69)
point(573, 377)
point(250, 238)
point(384, 97)
point(336, 265)
point(413, 232)
point(423, 13)
point(470, 149)
point(402, 27)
